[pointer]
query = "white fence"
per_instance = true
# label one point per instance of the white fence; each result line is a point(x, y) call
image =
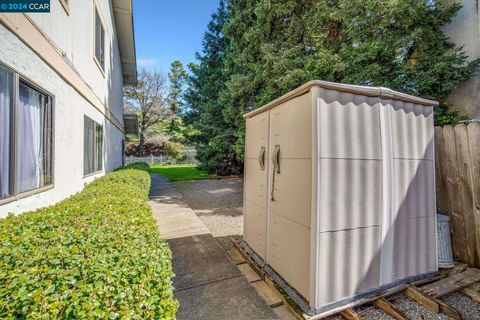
point(189, 159)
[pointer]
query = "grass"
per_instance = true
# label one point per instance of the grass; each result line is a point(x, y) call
point(181, 173)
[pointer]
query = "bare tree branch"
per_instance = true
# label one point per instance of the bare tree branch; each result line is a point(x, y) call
point(149, 100)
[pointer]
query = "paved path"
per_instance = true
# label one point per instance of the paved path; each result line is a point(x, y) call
point(218, 203)
point(207, 284)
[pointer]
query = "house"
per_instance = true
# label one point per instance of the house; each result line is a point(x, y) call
point(61, 98)
point(464, 31)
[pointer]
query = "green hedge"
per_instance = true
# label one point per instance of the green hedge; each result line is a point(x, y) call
point(96, 255)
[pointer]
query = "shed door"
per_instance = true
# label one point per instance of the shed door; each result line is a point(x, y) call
point(255, 192)
point(290, 191)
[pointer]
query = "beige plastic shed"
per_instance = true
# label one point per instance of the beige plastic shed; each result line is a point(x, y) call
point(339, 198)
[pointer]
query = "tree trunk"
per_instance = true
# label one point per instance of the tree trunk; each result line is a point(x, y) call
point(141, 147)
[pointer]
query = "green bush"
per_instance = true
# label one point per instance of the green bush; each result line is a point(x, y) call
point(136, 165)
point(175, 150)
point(96, 255)
point(445, 115)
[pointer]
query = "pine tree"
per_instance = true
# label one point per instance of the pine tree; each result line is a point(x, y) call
point(267, 48)
point(215, 136)
point(177, 78)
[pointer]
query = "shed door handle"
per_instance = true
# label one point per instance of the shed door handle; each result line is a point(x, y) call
point(261, 158)
point(276, 159)
point(276, 169)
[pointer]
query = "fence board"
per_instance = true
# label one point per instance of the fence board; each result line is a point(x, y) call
point(455, 213)
point(441, 173)
point(457, 152)
point(473, 131)
point(465, 188)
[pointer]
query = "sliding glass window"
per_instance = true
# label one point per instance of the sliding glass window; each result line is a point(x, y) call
point(92, 146)
point(6, 112)
point(34, 168)
point(26, 136)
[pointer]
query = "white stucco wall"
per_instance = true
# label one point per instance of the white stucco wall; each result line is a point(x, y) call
point(70, 108)
point(74, 34)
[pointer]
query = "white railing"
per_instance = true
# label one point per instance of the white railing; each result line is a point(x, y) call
point(162, 160)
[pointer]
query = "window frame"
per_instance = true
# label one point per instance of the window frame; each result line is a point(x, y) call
point(18, 77)
point(95, 155)
point(102, 25)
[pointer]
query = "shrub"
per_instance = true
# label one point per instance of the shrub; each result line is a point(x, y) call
point(175, 150)
point(445, 115)
point(97, 254)
point(137, 166)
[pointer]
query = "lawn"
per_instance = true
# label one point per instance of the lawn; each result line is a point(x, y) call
point(180, 173)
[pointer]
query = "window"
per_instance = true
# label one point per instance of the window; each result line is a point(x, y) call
point(6, 79)
point(26, 136)
point(92, 146)
point(99, 41)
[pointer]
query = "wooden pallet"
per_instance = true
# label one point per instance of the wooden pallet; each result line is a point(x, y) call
point(425, 292)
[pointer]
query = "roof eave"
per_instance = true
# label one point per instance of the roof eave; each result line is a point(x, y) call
point(123, 15)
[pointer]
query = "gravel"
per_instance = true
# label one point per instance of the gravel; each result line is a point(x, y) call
point(368, 312)
point(414, 310)
point(218, 203)
point(469, 309)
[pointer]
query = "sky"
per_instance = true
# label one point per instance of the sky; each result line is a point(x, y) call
point(168, 30)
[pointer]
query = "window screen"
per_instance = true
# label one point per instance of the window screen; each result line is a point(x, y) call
point(5, 132)
point(99, 40)
point(27, 163)
point(92, 146)
point(34, 139)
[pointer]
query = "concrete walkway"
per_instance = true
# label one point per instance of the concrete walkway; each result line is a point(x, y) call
point(207, 284)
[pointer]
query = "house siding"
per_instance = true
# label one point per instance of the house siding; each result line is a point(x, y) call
point(70, 106)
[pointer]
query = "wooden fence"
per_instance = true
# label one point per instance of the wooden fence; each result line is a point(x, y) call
point(457, 154)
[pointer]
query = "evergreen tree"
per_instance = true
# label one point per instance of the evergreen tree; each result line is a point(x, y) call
point(177, 78)
point(216, 137)
point(261, 49)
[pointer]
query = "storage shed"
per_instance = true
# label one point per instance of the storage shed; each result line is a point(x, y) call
point(339, 198)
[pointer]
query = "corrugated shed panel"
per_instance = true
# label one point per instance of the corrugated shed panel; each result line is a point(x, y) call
point(289, 251)
point(292, 190)
point(349, 238)
point(254, 227)
point(349, 126)
point(351, 194)
point(291, 128)
point(349, 263)
point(412, 131)
point(414, 193)
point(414, 247)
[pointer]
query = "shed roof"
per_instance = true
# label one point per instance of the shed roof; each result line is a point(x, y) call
point(361, 90)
